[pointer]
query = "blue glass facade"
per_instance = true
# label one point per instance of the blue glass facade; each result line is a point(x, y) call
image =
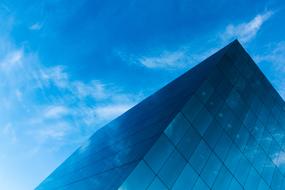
point(219, 126)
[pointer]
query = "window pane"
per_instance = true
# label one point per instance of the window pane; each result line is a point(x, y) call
point(268, 170)
point(223, 179)
point(252, 180)
point(202, 121)
point(200, 185)
point(235, 185)
point(191, 108)
point(177, 128)
point(223, 146)
point(200, 156)
point(213, 133)
point(189, 142)
point(233, 158)
point(211, 169)
point(142, 175)
point(172, 168)
point(205, 91)
point(159, 153)
point(242, 170)
point(157, 185)
point(186, 180)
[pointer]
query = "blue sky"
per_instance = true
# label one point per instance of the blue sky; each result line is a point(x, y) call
point(67, 67)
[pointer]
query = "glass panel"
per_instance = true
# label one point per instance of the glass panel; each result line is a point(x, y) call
point(177, 128)
point(205, 91)
point(263, 186)
point(223, 146)
point(257, 131)
point(252, 180)
point(259, 159)
point(200, 156)
point(212, 134)
point(236, 104)
point(187, 179)
point(268, 170)
point(159, 153)
point(189, 142)
point(277, 180)
point(250, 148)
point(249, 121)
point(211, 169)
point(235, 185)
point(157, 185)
point(192, 108)
point(223, 179)
point(233, 158)
point(142, 175)
point(224, 88)
point(202, 121)
point(214, 103)
point(200, 185)
point(242, 170)
point(242, 138)
point(172, 168)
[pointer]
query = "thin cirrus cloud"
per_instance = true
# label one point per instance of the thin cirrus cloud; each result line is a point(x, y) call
point(57, 111)
point(30, 87)
point(36, 26)
point(180, 58)
point(111, 111)
point(186, 56)
point(274, 58)
point(167, 60)
point(246, 31)
point(276, 55)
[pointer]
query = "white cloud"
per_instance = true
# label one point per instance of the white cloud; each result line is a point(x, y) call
point(279, 159)
point(51, 108)
point(180, 58)
point(111, 111)
point(35, 26)
point(274, 59)
point(11, 60)
point(187, 55)
point(248, 30)
point(55, 75)
point(9, 131)
point(167, 60)
point(276, 55)
point(56, 111)
point(56, 131)
point(94, 89)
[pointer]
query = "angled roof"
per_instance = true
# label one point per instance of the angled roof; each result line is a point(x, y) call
point(111, 154)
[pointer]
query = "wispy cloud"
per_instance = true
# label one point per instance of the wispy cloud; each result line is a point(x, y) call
point(111, 111)
point(54, 112)
point(247, 30)
point(180, 58)
point(11, 60)
point(95, 89)
point(36, 26)
point(9, 132)
point(186, 56)
point(167, 60)
point(279, 159)
point(274, 59)
point(54, 109)
point(276, 55)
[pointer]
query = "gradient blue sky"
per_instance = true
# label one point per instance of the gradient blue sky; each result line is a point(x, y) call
point(67, 67)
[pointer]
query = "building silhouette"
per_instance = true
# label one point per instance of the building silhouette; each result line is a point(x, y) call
point(219, 126)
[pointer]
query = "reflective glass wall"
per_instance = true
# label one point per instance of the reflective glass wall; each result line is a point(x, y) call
point(230, 135)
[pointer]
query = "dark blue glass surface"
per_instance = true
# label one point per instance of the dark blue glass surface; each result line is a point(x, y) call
point(220, 126)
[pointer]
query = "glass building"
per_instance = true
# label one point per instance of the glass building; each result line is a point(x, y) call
point(219, 126)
